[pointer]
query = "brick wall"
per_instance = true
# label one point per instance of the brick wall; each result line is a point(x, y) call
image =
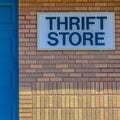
point(67, 85)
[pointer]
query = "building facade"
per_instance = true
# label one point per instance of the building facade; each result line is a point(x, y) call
point(62, 84)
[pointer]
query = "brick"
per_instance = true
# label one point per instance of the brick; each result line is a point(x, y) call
point(114, 74)
point(102, 114)
point(59, 101)
point(68, 70)
point(97, 101)
point(55, 1)
point(92, 101)
point(55, 103)
point(105, 101)
point(118, 101)
point(113, 57)
point(114, 101)
point(49, 4)
point(93, 114)
point(75, 75)
point(101, 4)
point(42, 79)
point(84, 101)
point(63, 101)
point(96, 9)
point(101, 74)
point(110, 101)
point(88, 101)
point(71, 88)
point(30, 70)
point(81, 61)
point(115, 116)
point(58, 114)
point(101, 65)
point(30, 18)
point(35, 66)
point(81, 0)
point(62, 66)
point(67, 101)
point(80, 8)
point(92, 87)
point(71, 101)
point(55, 79)
point(48, 75)
point(88, 4)
point(80, 101)
point(106, 114)
point(84, 114)
point(87, 56)
point(27, 106)
point(76, 114)
point(80, 114)
point(54, 84)
point(38, 102)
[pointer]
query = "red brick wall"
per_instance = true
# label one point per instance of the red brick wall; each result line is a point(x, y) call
point(67, 85)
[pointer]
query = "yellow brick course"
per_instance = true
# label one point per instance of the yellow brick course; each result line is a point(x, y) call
point(48, 103)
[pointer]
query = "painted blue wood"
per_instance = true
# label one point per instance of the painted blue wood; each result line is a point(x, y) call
point(9, 107)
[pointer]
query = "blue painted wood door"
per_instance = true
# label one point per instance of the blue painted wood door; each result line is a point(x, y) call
point(9, 60)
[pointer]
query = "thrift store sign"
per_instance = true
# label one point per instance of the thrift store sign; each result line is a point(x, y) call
point(76, 31)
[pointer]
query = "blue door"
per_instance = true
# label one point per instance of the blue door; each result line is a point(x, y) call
point(9, 60)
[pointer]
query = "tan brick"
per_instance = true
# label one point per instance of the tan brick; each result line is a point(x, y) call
point(76, 101)
point(101, 65)
point(97, 114)
point(68, 70)
point(59, 114)
point(59, 101)
point(92, 101)
point(97, 101)
point(114, 74)
point(80, 114)
point(48, 75)
point(42, 79)
point(35, 66)
point(113, 57)
point(67, 101)
point(101, 4)
point(46, 101)
point(76, 114)
point(101, 74)
point(63, 101)
point(27, 106)
point(49, 4)
point(93, 114)
point(118, 101)
point(115, 116)
point(62, 66)
point(80, 101)
point(75, 75)
point(84, 114)
point(105, 101)
point(71, 101)
point(102, 114)
point(84, 101)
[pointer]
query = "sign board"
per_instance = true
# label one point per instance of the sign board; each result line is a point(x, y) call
point(76, 31)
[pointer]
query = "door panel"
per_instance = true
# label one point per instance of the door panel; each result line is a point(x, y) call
point(8, 15)
point(9, 60)
point(8, 44)
point(8, 111)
